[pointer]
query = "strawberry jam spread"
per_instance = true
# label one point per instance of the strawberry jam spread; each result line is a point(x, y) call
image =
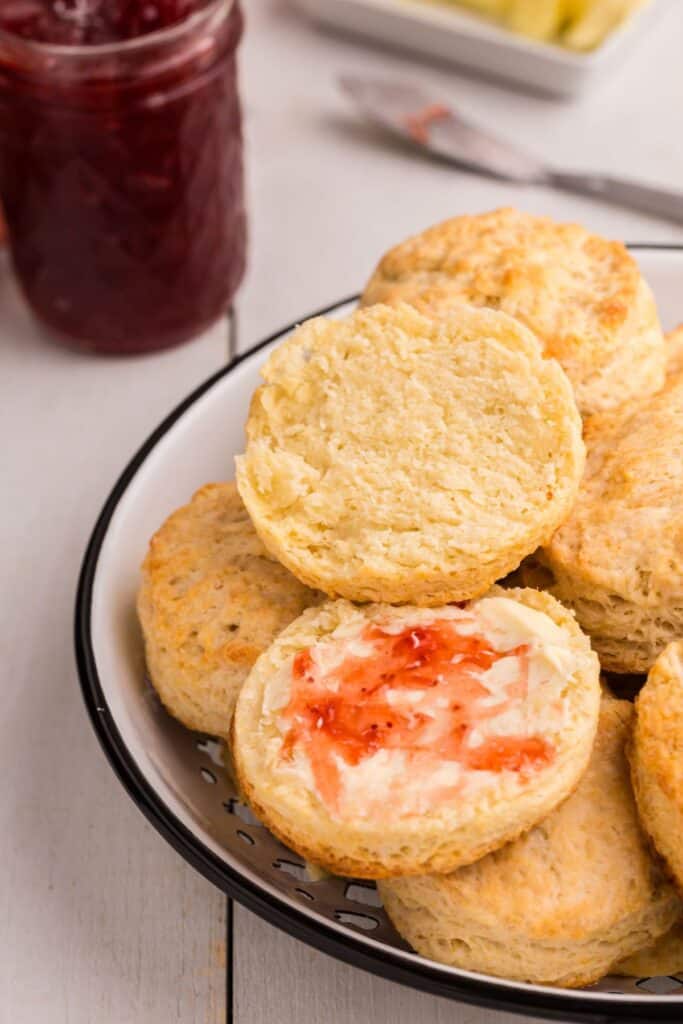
point(423, 694)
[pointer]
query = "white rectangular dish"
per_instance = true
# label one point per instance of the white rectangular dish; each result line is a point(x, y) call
point(456, 36)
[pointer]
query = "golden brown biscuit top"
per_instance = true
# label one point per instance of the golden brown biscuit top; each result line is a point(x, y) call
point(659, 726)
point(625, 532)
point(218, 596)
point(577, 291)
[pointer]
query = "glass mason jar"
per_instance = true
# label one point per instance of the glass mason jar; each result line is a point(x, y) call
point(121, 181)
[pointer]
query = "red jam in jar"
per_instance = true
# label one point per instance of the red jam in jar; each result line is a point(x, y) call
point(121, 165)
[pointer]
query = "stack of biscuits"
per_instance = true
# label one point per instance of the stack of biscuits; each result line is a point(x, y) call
point(458, 521)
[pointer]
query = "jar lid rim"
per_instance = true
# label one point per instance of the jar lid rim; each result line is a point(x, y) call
point(98, 50)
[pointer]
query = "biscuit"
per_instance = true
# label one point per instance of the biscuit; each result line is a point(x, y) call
point(582, 295)
point(210, 602)
point(395, 459)
point(665, 957)
point(674, 350)
point(656, 755)
point(378, 741)
point(618, 559)
point(559, 905)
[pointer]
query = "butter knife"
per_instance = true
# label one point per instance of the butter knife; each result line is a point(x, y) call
point(408, 111)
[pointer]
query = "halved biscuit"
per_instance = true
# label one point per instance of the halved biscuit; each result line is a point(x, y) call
point(559, 905)
point(663, 958)
point(379, 741)
point(656, 755)
point(582, 295)
point(618, 559)
point(211, 601)
point(396, 459)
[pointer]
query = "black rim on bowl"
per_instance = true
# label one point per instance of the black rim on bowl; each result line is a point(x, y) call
point(596, 1008)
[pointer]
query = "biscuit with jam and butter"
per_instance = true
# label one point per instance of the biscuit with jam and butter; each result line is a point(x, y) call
point(582, 295)
point(211, 600)
point(562, 903)
point(395, 459)
point(379, 741)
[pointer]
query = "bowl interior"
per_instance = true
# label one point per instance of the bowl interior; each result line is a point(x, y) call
point(185, 781)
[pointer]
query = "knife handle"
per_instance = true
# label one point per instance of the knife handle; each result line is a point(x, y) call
point(659, 202)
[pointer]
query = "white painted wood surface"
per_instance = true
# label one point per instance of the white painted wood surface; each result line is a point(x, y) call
point(304, 986)
point(99, 920)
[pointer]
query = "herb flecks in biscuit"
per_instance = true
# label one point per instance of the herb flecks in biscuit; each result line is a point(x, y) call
point(211, 601)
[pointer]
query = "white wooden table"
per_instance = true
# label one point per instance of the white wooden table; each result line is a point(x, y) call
point(99, 920)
